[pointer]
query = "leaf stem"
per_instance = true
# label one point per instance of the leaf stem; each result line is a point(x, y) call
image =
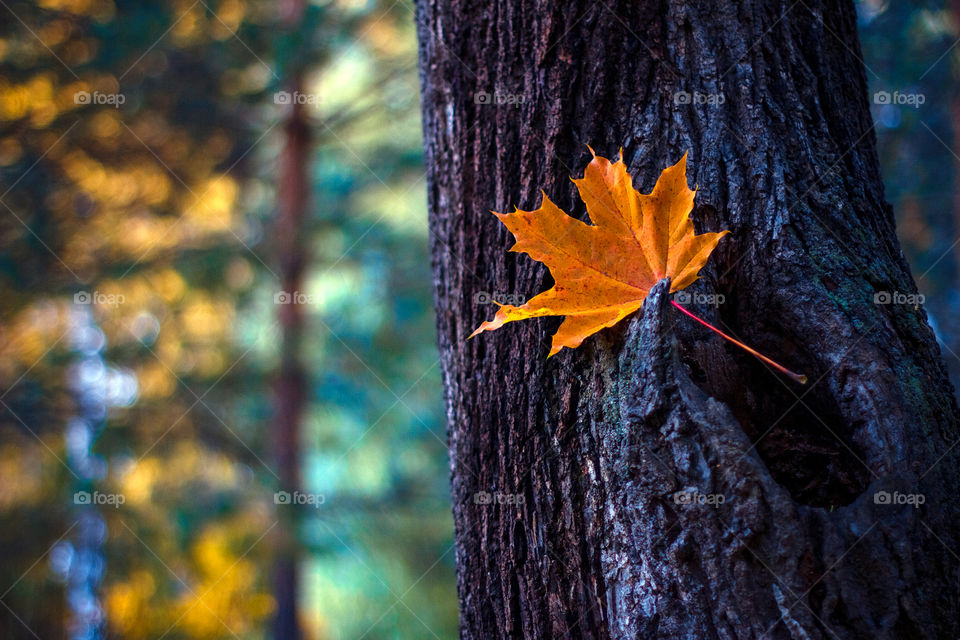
point(790, 374)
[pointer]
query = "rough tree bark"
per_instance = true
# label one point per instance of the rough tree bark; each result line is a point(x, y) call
point(598, 441)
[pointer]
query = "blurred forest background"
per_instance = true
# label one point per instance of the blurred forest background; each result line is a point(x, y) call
point(217, 355)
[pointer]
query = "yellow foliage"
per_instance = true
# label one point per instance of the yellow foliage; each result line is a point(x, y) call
point(169, 284)
point(139, 479)
point(206, 319)
point(211, 208)
point(99, 9)
point(29, 335)
point(19, 101)
point(189, 463)
point(230, 14)
point(191, 24)
point(21, 475)
point(54, 32)
point(155, 381)
point(226, 595)
point(128, 605)
point(105, 124)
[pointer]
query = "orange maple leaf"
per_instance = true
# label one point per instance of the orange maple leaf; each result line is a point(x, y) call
point(604, 271)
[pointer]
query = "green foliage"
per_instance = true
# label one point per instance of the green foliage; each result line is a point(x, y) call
point(159, 204)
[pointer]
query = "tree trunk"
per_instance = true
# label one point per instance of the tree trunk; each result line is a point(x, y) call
point(607, 465)
point(291, 385)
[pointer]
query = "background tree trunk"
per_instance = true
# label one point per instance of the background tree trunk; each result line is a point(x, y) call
point(290, 391)
point(291, 384)
point(598, 441)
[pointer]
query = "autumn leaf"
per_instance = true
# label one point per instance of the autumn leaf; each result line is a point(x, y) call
point(604, 271)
